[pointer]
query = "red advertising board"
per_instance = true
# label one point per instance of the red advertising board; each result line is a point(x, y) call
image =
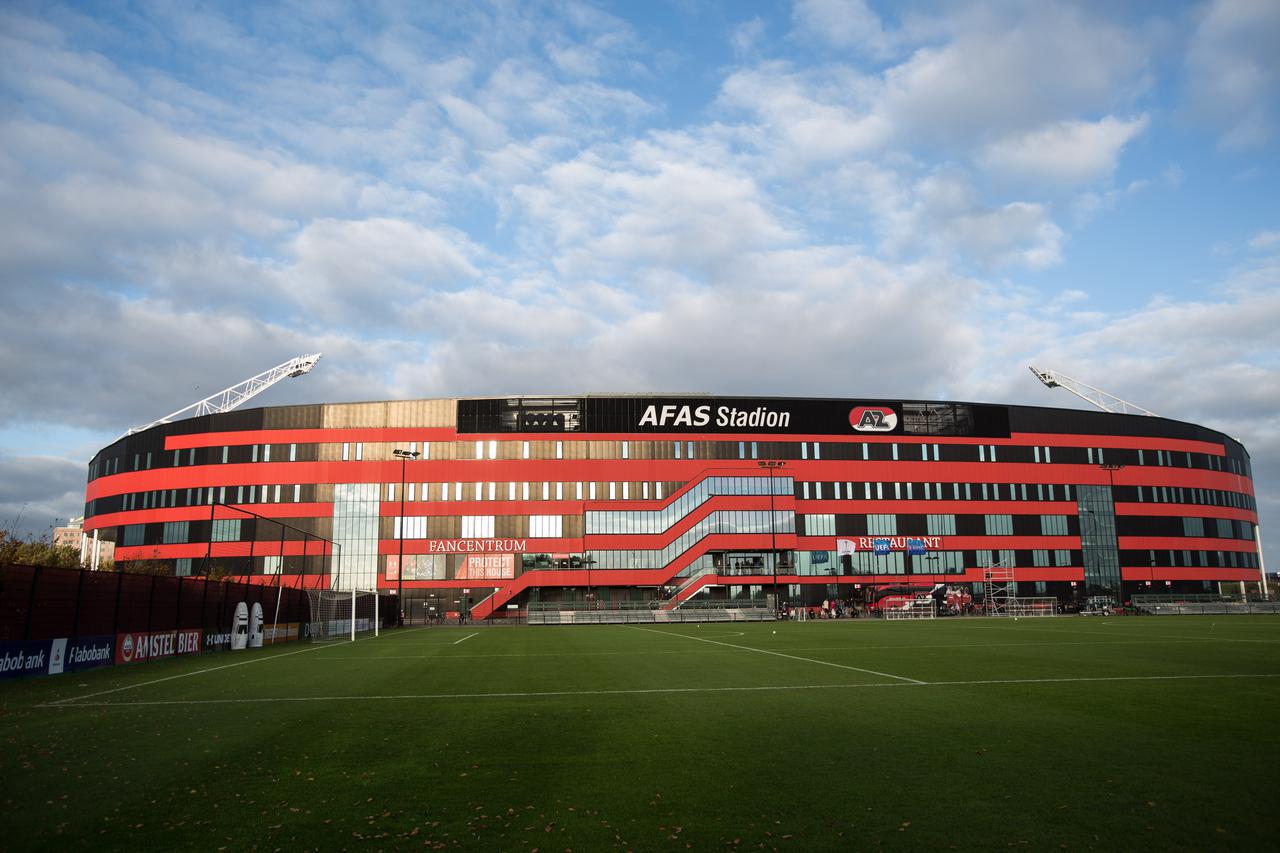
point(487, 567)
point(146, 645)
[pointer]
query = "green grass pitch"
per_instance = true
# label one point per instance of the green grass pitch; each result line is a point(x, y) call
point(1106, 733)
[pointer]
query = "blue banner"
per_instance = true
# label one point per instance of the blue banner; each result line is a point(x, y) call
point(53, 657)
point(31, 658)
point(880, 546)
point(90, 652)
point(916, 546)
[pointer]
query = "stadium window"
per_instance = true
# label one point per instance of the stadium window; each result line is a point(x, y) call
point(804, 491)
point(657, 490)
point(626, 491)
point(755, 449)
point(613, 491)
point(559, 450)
point(866, 452)
point(999, 525)
point(346, 451)
point(676, 444)
point(479, 491)
point(524, 450)
point(1053, 525)
point(592, 491)
point(879, 491)
point(493, 492)
point(457, 491)
point(546, 491)
point(253, 453)
point(895, 452)
point(477, 526)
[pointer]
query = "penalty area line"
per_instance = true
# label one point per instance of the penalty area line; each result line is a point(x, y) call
point(551, 694)
point(784, 655)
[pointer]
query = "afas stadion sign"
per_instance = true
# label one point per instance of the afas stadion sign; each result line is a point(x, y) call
point(742, 414)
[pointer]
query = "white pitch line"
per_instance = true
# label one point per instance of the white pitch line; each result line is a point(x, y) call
point(652, 691)
point(782, 655)
point(468, 637)
point(183, 675)
point(650, 653)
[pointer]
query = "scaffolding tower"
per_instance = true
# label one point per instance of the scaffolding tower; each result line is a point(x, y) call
point(999, 589)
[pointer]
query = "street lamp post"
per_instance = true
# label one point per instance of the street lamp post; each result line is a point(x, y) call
point(404, 457)
point(770, 465)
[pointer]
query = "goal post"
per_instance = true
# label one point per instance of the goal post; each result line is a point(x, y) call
point(343, 614)
point(920, 608)
point(1032, 607)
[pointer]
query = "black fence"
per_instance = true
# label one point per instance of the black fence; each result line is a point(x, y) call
point(57, 620)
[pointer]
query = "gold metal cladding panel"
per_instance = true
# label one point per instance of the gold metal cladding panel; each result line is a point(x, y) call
point(392, 413)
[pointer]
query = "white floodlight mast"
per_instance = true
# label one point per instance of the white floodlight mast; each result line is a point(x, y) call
point(1085, 391)
point(236, 395)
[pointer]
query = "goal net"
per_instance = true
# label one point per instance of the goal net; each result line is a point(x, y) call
point(920, 608)
point(343, 614)
point(1032, 607)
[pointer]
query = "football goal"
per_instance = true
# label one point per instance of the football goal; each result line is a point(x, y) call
point(920, 608)
point(343, 614)
point(1032, 607)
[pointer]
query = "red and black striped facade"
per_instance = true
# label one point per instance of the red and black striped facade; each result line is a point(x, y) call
point(518, 499)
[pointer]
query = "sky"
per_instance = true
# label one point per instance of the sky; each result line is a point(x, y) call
point(832, 198)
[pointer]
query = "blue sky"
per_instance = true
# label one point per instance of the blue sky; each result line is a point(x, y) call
point(825, 197)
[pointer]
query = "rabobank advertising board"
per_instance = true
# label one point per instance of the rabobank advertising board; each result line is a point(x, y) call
point(53, 657)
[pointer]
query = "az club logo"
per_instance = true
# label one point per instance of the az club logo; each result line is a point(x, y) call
point(873, 419)
point(126, 648)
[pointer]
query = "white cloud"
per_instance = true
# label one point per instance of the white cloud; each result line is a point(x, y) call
point(943, 217)
point(1064, 152)
point(850, 24)
point(1233, 75)
point(1002, 72)
point(1264, 240)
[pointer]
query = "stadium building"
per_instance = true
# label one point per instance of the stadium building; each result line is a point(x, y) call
point(486, 505)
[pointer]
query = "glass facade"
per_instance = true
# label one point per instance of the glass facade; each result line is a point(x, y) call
point(355, 531)
point(1098, 541)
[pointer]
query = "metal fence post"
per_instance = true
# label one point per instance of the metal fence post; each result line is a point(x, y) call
point(115, 617)
point(31, 603)
point(75, 621)
point(151, 602)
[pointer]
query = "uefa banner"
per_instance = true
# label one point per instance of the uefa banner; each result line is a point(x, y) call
point(138, 646)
